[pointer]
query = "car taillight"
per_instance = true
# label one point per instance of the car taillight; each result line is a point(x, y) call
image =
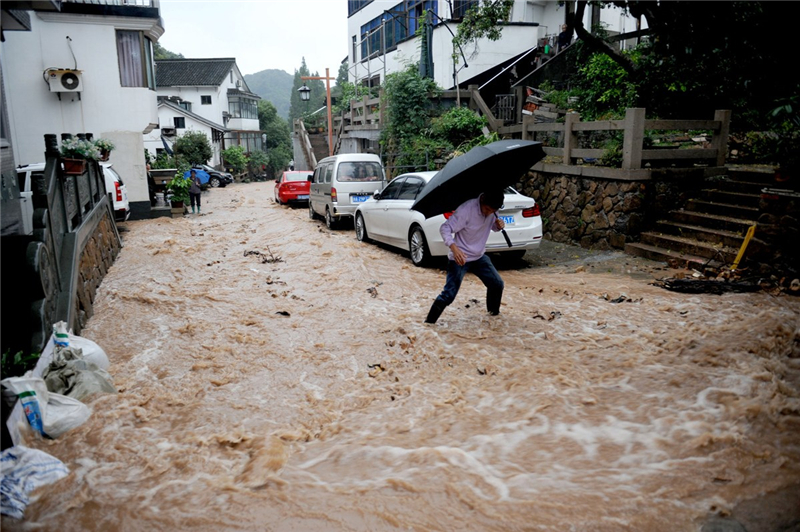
point(531, 212)
point(334, 197)
point(118, 190)
point(447, 215)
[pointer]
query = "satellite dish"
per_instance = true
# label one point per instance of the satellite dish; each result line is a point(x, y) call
point(70, 81)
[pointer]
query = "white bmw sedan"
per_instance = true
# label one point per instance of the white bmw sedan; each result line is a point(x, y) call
point(387, 217)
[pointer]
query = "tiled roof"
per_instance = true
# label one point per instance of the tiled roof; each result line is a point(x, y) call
point(192, 72)
point(180, 110)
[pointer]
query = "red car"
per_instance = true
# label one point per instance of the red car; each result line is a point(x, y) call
point(292, 187)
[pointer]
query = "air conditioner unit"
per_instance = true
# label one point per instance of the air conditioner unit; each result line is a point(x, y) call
point(168, 131)
point(64, 80)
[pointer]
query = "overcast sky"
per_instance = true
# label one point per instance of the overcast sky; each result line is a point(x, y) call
point(260, 34)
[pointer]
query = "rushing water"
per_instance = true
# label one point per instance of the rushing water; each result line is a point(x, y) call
point(297, 388)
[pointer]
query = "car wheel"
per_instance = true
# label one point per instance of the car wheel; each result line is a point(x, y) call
point(517, 254)
point(329, 221)
point(418, 247)
point(214, 181)
point(361, 228)
point(277, 199)
point(311, 214)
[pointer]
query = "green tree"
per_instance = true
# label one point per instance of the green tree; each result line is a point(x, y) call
point(193, 147)
point(159, 52)
point(697, 56)
point(235, 159)
point(279, 140)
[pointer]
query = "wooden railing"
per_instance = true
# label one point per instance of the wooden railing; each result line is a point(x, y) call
point(633, 128)
point(367, 113)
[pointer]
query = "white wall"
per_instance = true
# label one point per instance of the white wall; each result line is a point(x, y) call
point(104, 108)
point(152, 140)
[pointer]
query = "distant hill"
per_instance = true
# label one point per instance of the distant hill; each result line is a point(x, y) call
point(273, 85)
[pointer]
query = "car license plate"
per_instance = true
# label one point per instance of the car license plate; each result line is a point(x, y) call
point(302, 196)
point(509, 220)
point(358, 199)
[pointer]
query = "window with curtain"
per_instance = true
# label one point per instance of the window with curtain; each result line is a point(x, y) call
point(134, 52)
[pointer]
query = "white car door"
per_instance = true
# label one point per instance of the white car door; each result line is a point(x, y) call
point(398, 213)
point(376, 213)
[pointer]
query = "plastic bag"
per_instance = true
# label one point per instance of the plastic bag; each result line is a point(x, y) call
point(70, 374)
point(59, 413)
point(91, 351)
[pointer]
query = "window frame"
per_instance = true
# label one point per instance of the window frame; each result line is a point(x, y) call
point(127, 59)
point(179, 120)
point(205, 99)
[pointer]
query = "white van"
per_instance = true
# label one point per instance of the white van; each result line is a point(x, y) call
point(340, 183)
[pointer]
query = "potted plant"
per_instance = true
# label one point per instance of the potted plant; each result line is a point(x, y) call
point(75, 152)
point(178, 190)
point(105, 146)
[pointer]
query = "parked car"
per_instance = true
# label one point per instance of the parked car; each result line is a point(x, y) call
point(293, 187)
point(216, 178)
point(387, 217)
point(117, 193)
point(340, 183)
point(115, 188)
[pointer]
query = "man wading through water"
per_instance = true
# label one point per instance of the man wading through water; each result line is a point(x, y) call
point(466, 233)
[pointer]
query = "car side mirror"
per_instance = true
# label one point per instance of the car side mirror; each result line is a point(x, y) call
point(311, 179)
point(376, 195)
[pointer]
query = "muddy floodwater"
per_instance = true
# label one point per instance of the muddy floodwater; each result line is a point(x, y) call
point(274, 375)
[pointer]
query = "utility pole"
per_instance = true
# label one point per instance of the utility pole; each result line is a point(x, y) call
point(327, 79)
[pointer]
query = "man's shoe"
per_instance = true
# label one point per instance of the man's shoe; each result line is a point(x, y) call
point(494, 313)
point(436, 310)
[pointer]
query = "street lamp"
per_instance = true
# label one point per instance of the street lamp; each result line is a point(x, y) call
point(307, 94)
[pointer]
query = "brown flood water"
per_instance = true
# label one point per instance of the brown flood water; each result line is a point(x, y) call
point(306, 393)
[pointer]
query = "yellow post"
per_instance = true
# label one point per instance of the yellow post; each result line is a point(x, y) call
point(747, 237)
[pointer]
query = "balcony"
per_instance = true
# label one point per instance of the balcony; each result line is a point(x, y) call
point(124, 8)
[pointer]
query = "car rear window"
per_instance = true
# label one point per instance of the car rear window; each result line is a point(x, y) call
point(360, 171)
point(291, 176)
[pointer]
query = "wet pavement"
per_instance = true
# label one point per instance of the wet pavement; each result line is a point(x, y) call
point(274, 375)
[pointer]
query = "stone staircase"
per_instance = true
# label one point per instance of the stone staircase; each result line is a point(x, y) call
point(710, 229)
point(319, 143)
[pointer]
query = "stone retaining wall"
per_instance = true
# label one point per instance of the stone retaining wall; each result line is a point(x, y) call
point(98, 256)
point(601, 213)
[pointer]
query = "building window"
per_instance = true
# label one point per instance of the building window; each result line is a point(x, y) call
point(185, 105)
point(356, 5)
point(205, 100)
point(397, 24)
point(179, 121)
point(240, 107)
point(460, 7)
point(135, 55)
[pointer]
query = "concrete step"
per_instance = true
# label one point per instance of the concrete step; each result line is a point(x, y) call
point(674, 258)
point(733, 185)
point(690, 246)
point(765, 175)
point(732, 239)
point(712, 221)
point(724, 209)
point(721, 195)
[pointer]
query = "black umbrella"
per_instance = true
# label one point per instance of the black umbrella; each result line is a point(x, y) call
point(495, 165)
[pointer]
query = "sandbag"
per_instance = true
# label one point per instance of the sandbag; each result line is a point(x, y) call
point(58, 413)
point(70, 374)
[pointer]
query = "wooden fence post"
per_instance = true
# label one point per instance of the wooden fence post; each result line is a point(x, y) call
point(634, 137)
point(570, 140)
point(527, 120)
point(720, 140)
